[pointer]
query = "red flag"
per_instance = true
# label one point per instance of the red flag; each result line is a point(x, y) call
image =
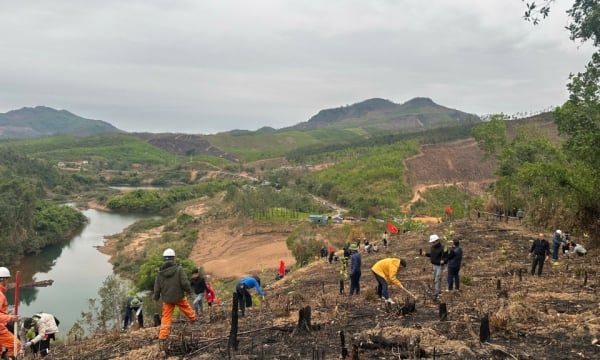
point(391, 228)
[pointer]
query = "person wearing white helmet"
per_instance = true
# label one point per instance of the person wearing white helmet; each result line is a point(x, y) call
point(436, 255)
point(7, 340)
point(171, 284)
point(557, 240)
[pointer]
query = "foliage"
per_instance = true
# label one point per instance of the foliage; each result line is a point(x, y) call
point(266, 202)
point(155, 201)
point(109, 150)
point(28, 223)
point(303, 244)
point(491, 136)
point(105, 313)
point(437, 199)
point(371, 181)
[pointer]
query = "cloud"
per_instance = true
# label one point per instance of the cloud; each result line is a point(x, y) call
point(209, 66)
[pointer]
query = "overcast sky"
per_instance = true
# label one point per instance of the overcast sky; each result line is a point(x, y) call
point(208, 66)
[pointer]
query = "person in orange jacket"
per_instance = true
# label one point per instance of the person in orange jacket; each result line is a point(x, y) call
point(7, 339)
point(386, 271)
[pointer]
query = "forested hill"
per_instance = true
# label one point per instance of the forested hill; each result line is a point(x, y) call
point(28, 221)
point(43, 121)
point(418, 113)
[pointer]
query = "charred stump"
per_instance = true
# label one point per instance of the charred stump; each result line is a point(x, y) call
point(304, 320)
point(343, 343)
point(233, 341)
point(443, 312)
point(484, 329)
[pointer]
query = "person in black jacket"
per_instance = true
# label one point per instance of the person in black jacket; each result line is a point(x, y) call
point(454, 261)
point(436, 254)
point(198, 284)
point(540, 251)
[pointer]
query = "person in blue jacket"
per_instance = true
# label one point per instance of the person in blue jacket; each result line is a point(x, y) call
point(244, 298)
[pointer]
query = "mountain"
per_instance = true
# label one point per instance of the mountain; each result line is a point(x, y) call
point(42, 121)
point(416, 114)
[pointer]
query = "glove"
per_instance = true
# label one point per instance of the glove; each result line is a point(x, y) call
point(26, 345)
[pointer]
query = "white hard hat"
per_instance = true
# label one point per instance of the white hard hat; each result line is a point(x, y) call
point(4, 273)
point(559, 232)
point(169, 253)
point(433, 238)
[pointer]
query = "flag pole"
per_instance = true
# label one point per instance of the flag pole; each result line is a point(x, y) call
point(16, 325)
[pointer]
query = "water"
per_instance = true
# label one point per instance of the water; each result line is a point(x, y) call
point(77, 268)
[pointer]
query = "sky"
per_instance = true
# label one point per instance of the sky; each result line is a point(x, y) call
point(202, 67)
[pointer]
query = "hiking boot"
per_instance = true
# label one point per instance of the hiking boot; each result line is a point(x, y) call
point(389, 301)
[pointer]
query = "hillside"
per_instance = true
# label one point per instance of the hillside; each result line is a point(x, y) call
point(418, 113)
point(42, 121)
point(550, 317)
point(530, 317)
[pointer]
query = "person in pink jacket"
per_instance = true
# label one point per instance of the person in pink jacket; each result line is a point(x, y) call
point(386, 272)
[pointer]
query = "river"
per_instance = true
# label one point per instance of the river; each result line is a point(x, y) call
point(77, 268)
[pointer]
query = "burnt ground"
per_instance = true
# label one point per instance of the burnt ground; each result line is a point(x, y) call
point(550, 317)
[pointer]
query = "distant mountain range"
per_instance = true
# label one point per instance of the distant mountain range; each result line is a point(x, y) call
point(346, 124)
point(415, 114)
point(42, 121)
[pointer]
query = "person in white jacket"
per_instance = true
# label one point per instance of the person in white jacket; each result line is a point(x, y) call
point(40, 328)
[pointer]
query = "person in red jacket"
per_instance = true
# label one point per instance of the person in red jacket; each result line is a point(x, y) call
point(7, 340)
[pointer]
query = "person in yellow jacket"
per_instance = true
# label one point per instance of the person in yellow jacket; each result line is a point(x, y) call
point(386, 271)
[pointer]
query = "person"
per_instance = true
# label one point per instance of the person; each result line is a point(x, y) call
point(211, 295)
point(198, 283)
point(557, 240)
point(133, 305)
point(520, 215)
point(436, 255)
point(171, 285)
point(244, 298)
point(281, 269)
point(355, 273)
point(323, 252)
point(385, 239)
point(331, 253)
point(7, 340)
point(540, 251)
point(454, 261)
point(567, 244)
point(347, 251)
point(374, 247)
point(41, 328)
point(579, 249)
point(386, 272)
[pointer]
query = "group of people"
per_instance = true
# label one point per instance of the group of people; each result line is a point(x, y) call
point(35, 334)
point(540, 249)
point(440, 256)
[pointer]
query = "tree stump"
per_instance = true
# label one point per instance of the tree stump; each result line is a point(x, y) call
point(484, 329)
point(443, 312)
point(233, 341)
point(304, 320)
